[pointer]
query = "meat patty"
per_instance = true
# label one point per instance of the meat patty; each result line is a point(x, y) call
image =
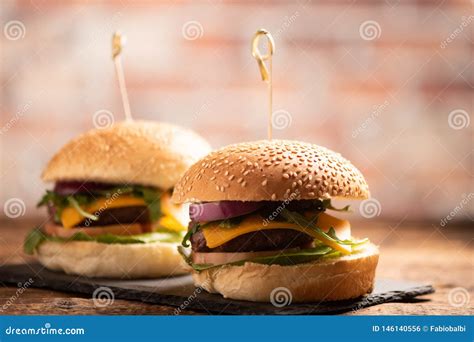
point(136, 214)
point(263, 240)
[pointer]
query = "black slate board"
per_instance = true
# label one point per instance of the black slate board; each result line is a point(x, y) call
point(179, 291)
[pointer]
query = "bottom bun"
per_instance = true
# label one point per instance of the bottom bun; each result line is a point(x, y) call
point(331, 279)
point(124, 261)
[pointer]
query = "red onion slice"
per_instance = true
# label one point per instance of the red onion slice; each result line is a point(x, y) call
point(72, 187)
point(213, 211)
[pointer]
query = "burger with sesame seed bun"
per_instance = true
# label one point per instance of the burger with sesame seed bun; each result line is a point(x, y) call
point(110, 210)
point(262, 219)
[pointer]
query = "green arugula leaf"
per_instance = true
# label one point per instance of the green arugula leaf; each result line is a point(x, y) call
point(192, 230)
point(59, 202)
point(283, 259)
point(320, 251)
point(350, 242)
point(332, 233)
point(302, 221)
point(151, 196)
point(231, 222)
point(152, 199)
point(185, 253)
point(235, 221)
point(46, 199)
point(76, 205)
point(33, 240)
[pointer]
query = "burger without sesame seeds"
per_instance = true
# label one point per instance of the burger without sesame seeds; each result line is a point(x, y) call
point(262, 218)
point(110, 211)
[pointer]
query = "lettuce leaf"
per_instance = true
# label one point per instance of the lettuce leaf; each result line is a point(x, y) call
point(36, 237)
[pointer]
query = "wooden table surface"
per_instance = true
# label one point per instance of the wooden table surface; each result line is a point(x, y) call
point(427, 253)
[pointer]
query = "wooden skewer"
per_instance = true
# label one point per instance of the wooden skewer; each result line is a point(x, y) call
point(117, 43)
point(266, 73)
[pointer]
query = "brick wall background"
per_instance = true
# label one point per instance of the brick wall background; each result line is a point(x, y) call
point(389, 84)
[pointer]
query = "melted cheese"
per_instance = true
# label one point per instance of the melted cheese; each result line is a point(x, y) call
point(171, 223)
point(171, 211)
point(216, 236)
point(342, 227)
point(71, 217)
point(172, 218)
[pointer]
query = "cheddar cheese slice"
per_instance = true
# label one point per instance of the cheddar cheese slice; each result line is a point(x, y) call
point(216, 236)
point(171, 223)
point(71, 217)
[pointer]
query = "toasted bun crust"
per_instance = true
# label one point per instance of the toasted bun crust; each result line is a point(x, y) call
point(140, 152)
point(271, 170)
point(332, 279)
point(127, 261)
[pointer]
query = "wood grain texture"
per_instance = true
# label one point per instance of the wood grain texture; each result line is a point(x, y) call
point(426, 253)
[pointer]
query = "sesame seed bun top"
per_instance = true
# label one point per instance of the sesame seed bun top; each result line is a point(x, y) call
point(130, 152)
point(271, 170)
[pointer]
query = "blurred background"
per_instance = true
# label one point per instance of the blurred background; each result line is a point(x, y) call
point(388, 84)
